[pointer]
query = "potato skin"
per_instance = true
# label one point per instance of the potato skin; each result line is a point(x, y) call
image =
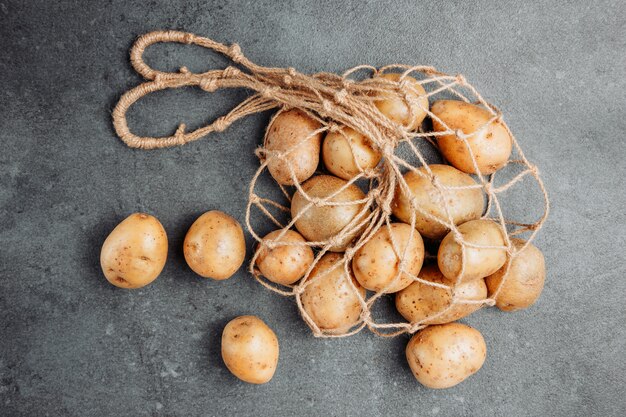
point(284, 264)
point(329, 299)
point(214, 246)
point(464, 204)
point(491, 147)
point(290, 128)
point(375, 264)
point(341, 149)
point(250, 349)
point(134, 253)
point(419, 301)
point(395, 107)
point(444, 355)
point(480, 262)
point(322, 223)
point(525, 280)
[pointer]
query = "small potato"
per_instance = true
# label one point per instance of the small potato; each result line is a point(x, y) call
point(479, 262)
point(250, 349)
point(214, 246)
point(329, 299)
point(284, 264)
point(375, 264)
point(491, 146)
point(348, 153)
point(394, 106)
point(289, 132)
point(445, 355)
point(324, 222)
point(463, 204)
point(420, 301)
point(134, 254)
point(524, 281)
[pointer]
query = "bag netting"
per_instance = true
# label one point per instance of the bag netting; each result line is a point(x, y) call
point(335, 101)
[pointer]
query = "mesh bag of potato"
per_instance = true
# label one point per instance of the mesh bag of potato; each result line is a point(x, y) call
point(417, 193)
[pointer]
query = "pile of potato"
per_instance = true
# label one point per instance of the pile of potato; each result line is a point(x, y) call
point(472, 262)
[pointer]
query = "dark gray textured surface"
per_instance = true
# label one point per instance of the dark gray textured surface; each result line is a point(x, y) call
point(72, 345)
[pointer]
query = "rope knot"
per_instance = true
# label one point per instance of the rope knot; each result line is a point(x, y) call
point(208, 84)
point(366, 316)
point(180, 133)
point(188, 38)
point(183, 70)
point(488, 188)
point(254, 199)
point(234, 51)
point(490, 302)
point(460, 134)
point(340, 96)
point(461, 79)
point(298, 289)
point(220, 124)
point(269, 92)
point(327, 106)
point(230, 72)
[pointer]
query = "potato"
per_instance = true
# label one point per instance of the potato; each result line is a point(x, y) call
point(375, 264)
point(329, 299)
point(419, 301)
point(479, 262)
point(444, 355)
point(491, 146)
point(394, 105)
point(324, 222)
point(524, 282)
point(250, 349)
point(284, 264)
point(289, 132)
point(214, 246)
point(463, 204)
point(134, 254)
point(342, 151)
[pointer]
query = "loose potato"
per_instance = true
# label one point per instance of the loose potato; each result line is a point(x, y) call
point(134, 254)
point(524, 281)
point(284, 264)
point(394, 105)
point(214, 246)
point(445, 355)
point(292, 131)
point(463, 204)
point(376, 264)
point(491, 146)
point(420, 301)
point(329, 299)
point(479, 262)
point(348, 153)
point(320, 223)
point(250, 349)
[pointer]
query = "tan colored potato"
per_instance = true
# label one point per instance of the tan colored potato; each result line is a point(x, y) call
point(284, 264)
point(329, 299)
point(491, 146)
point(419, 301)
point(463, 204)
point(134, 254)
point(524, 282)
point(479, 262)
point(394, 106)
point(443, 356)
point(289, 131)
point(250, 349)
point(214, 246)
point(323, 222)
point(375, 264)
point(342, 151)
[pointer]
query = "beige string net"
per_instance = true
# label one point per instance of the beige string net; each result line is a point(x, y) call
point(335, 101)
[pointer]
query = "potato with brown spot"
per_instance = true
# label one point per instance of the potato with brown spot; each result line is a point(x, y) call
point(479, 262)
point(329, 299)
point(284, 264)
point(394, 105)
point(214, 246)
point(134, 254)
point(293, 132)
point(524, 281)
point(376, 264)
point(444, 355)
point(463, 204)
point(347, 153)
point(323, 222)
point(420, 301)
point(250, 349)
point(490, 144)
